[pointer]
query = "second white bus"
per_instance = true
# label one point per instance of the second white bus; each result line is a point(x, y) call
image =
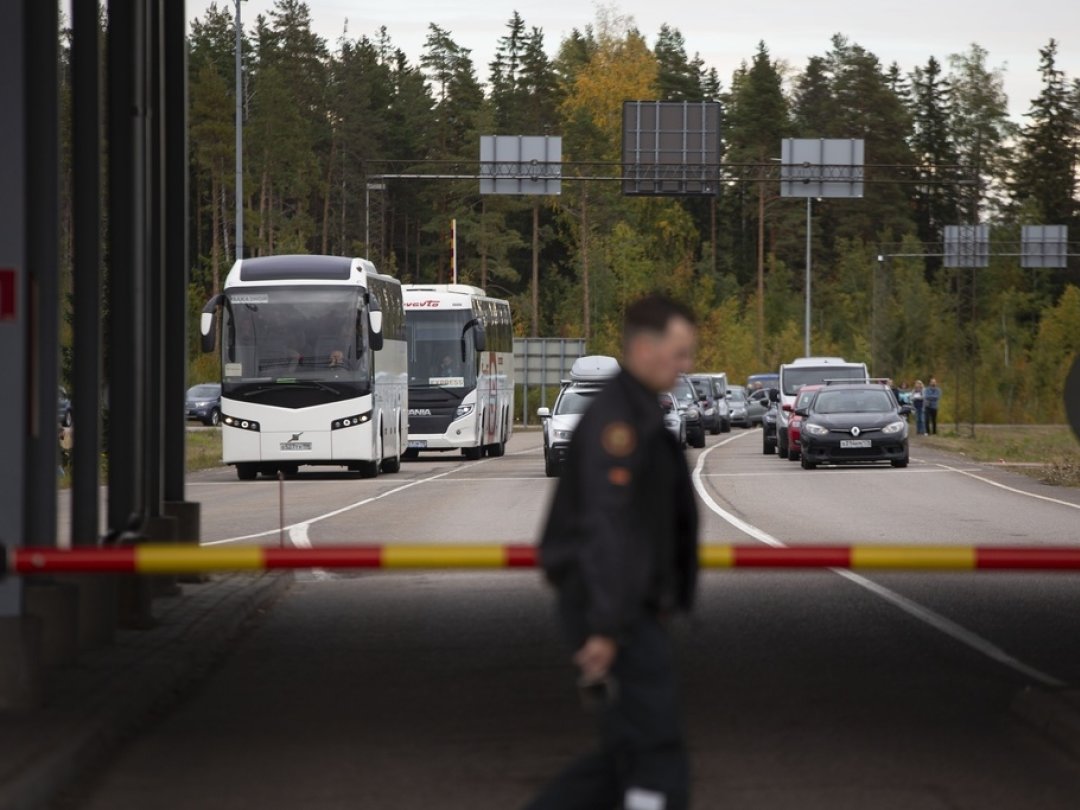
point(461, 370)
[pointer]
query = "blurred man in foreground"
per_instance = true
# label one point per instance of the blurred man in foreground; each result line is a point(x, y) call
point(620, 547)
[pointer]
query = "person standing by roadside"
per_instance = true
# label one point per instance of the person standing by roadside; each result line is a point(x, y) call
point(621, 549)
point(931, 402)
point(918, 400)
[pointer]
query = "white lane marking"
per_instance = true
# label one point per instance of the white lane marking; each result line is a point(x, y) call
point(912, 608)
point(820, 472)
point(298, 535)
point(999, 485)
point(344, 509)
point(356, 505)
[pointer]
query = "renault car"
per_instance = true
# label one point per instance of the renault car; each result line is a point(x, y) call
point(848, 423)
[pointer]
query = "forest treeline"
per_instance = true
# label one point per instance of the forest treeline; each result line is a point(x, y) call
point(322, 117)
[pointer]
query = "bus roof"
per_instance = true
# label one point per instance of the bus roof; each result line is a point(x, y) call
point(302, 269)
point(441, 296)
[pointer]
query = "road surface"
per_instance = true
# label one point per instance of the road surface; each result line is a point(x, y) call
point(802, 690)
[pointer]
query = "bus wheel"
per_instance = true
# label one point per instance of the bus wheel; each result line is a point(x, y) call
point(367, 469)
point(247, 472)
point(391, 465)
point(410, 454)
point(496, 450)
point(472, 453)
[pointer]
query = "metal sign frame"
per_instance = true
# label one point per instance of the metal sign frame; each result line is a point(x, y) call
point(671, 148)
point(1044, 246)
point(545, 362)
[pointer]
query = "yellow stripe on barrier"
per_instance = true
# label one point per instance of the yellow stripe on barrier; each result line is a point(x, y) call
point(913, 557)
point(443, 556)
point(716, 556)
point(178, 559)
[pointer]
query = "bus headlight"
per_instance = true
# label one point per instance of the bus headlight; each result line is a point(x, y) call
point(350, 421)
point(463, 410)
point(236, 422)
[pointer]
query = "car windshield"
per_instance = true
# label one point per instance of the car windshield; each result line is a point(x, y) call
point(685, 393)
point(702, 387)
point(795, 378)
point(737, 394)
point(804, 399)
point(860, 401)
point(207, 391)
point(575, 400)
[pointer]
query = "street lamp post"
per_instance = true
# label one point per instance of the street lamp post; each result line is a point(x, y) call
point(809, 257)
point(239, 138)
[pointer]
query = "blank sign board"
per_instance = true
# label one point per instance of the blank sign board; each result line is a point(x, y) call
point(520, 164)
point(822, 167)
point(671, 148)
point(967, 245)
point(1044, 246)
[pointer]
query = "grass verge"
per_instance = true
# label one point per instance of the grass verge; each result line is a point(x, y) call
point(1053, 450)
point(203, 449)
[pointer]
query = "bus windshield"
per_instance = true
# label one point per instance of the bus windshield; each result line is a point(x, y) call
point(434, 341)
point(293, 335)
point(796, 377)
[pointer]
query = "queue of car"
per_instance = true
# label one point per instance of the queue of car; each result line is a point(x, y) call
point(826, 410)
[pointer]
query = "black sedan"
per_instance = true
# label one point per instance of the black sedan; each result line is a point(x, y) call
point(854, 423)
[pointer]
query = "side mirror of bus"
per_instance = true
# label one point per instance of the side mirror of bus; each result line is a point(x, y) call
point(479, 339)
point(208, 323)
point(375, 336)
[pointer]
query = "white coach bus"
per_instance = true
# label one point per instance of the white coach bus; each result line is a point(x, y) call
point(313, 365)
point(461, 370)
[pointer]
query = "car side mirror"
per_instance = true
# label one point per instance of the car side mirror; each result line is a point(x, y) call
point(803, 412)
point(906, 410)
point(774, 395)
point(543, 413)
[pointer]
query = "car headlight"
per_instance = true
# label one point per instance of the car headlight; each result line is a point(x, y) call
point(893, 427)
point(709, 411)
point(562, 435)
point(815, 430)
point(463, 410)
point(693, 413)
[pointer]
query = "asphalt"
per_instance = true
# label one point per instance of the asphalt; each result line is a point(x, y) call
point(801, 690)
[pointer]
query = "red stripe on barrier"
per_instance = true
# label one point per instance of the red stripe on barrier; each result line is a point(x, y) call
point(521, 557)
point(325, 557)
point(117, 560)
point(1028, 558)
point(793, 557)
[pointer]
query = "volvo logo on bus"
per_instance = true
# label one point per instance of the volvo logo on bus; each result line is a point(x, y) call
point(419, 411)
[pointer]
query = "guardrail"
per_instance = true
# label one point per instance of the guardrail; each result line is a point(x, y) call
point(181, 559)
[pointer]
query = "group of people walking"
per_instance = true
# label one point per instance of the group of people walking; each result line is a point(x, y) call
point(925, 399)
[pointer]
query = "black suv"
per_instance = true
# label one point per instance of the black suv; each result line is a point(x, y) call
point(854, 422)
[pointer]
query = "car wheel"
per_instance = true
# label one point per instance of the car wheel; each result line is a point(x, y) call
point(793, 455)
point(900, 462)
point(699, 439)
point(807, 464)
point(767, 447)
point(215, 418)
point(781, 450)
point(247, 472)
point(725, 426)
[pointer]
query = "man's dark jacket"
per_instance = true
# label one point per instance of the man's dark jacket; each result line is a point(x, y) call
point(623, 525)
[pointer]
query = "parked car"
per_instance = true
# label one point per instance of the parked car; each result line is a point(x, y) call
point(757, 403)
point(63, 409)
point(203, 402)
point(587, 377)
point(737, 406)
point(687, 398)
point(854, 422)
point(768, 429)
point(802, 401)
point(708, 404)
point(674, 418)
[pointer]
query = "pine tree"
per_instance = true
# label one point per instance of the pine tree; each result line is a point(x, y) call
point(1045, 169)
point(678, 78)
point(931, 142)
point(814, 108)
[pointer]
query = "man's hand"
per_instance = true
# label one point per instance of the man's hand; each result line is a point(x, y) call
point(596, 656)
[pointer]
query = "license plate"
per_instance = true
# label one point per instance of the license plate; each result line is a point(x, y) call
point(855, 444)
point(287, 447)
point(418, 444)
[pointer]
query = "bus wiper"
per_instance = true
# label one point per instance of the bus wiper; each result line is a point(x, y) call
point(277, 385)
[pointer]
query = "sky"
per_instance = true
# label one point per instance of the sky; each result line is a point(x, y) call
point(726, 33)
